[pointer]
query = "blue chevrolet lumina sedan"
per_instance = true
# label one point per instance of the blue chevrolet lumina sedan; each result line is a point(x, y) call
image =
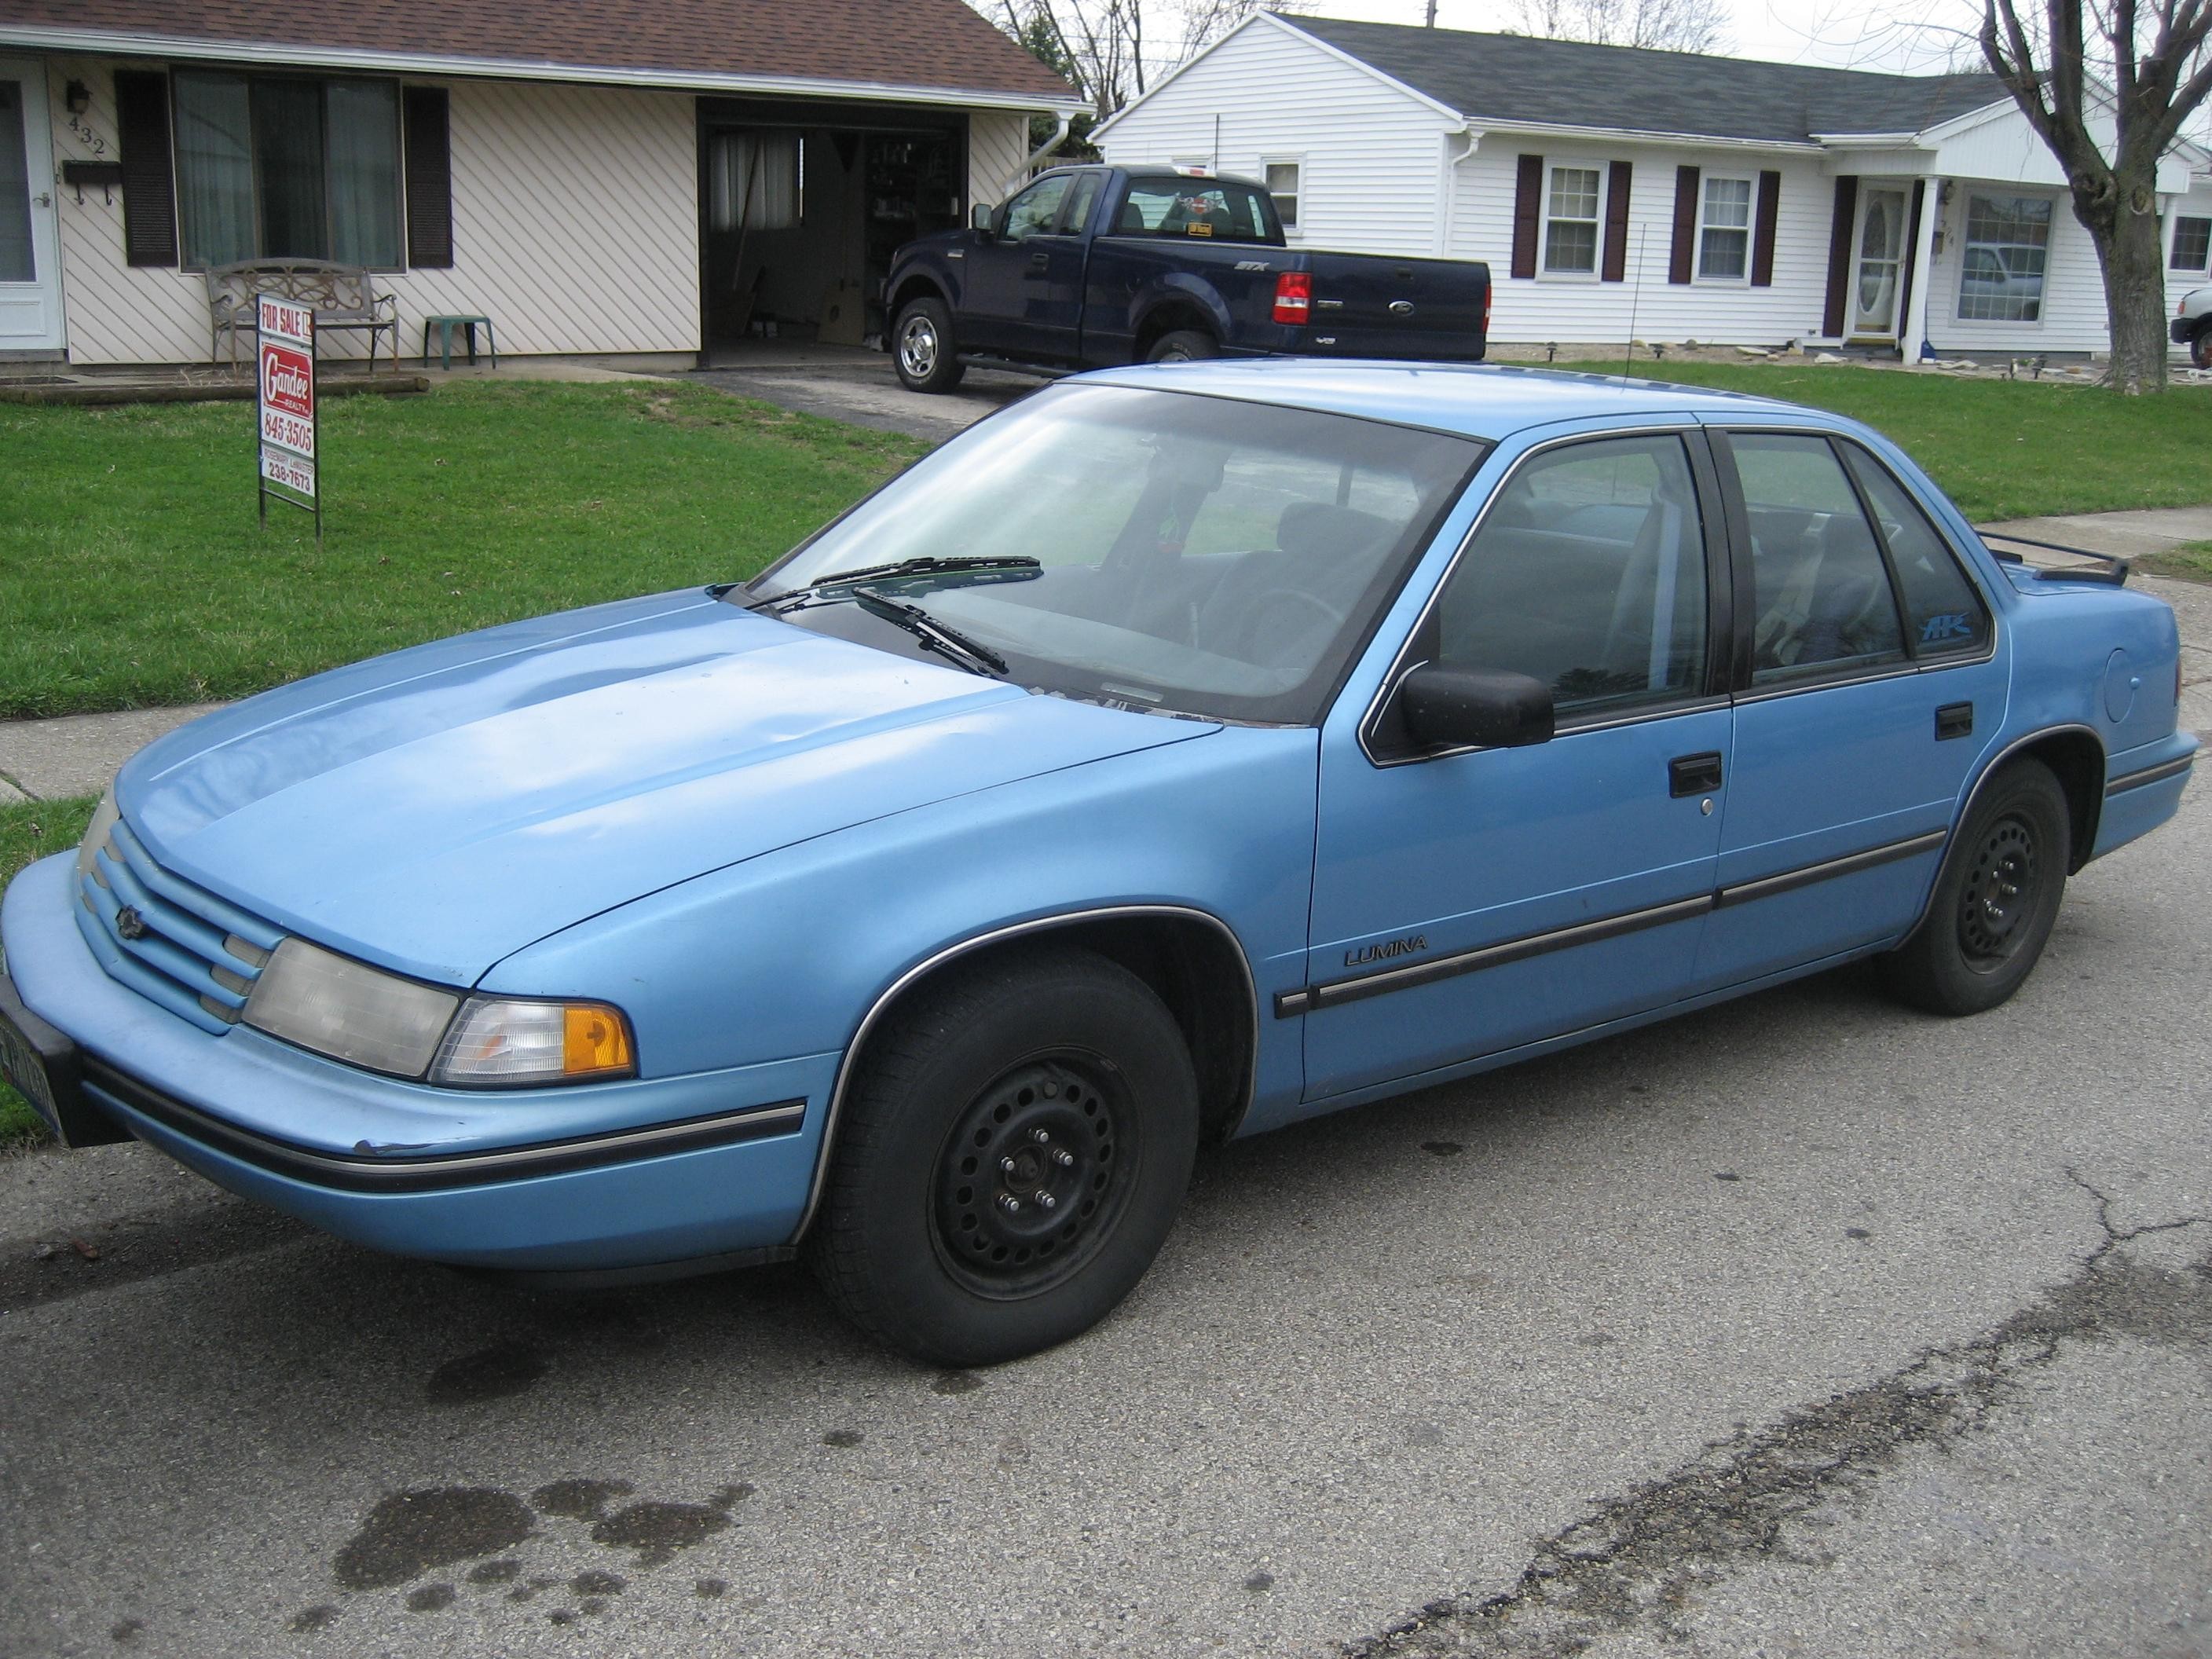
point(1180, 753)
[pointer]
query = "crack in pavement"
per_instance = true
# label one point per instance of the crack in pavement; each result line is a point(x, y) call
point(1637, 1559)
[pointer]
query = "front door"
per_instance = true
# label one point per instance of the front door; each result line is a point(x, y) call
point(30, 264)
point(1469, 903)
point(1876, 293)
point(1006, 273)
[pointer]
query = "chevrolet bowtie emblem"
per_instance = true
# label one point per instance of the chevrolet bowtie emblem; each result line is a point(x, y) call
point(129, 923)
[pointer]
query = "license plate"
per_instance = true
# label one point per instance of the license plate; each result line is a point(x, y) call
point(22, 1065)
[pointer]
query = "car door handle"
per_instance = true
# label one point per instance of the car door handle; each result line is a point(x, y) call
point(1694, 774)
point(1039, 261)
point(1954, 720)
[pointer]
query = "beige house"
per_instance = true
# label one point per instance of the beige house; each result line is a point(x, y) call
point(619, 181)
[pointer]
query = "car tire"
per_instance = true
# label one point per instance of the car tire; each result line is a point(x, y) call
point(923, 350)
point(1045, 1072)
point(1996, 898)
point(1183, 345)
point(2200, 346)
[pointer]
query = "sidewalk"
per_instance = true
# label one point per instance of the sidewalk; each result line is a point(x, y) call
point(78, 754)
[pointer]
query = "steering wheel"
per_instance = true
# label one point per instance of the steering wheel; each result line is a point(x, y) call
point(1269, 616)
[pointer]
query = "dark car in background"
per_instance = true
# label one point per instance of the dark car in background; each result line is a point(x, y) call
point(1092, 267)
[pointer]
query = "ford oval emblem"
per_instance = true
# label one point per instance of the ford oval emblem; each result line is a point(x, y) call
point(1401, 308)
point(129, 923)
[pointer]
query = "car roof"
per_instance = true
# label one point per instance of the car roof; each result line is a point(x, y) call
point(1476, 400)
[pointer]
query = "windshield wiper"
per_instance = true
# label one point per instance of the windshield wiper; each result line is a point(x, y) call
point(927, 565)
point(947, 643)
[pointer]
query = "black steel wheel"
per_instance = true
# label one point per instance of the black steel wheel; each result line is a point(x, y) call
point(1009, 1159)
point(1995, 900)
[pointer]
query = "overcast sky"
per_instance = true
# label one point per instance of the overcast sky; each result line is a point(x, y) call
point(1848, 34)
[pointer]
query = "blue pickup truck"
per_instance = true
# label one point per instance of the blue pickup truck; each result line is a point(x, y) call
point(1093, 267)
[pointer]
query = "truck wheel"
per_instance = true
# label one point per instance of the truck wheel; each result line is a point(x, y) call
point(922, 348)
point(1183, 345)
point(1996, 898)
point(1010, 1159)
point(2200, 346)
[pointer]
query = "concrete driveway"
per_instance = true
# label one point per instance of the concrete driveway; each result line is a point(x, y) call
point(847, 383)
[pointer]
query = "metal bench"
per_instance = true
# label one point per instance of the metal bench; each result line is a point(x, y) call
point(341, 296)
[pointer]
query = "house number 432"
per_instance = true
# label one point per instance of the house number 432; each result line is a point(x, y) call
point(92, 141)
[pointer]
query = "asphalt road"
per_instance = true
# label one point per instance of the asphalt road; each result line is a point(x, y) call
point(1802, 1325)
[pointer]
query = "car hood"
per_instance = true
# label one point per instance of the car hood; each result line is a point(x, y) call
point(436, 810)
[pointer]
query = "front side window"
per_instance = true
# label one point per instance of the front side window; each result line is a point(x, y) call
point(1201, 555)
point(1944, 614)
point(1589, 574)
point(2008, 243)
point(1822, 598)
point(1724, 232)
point(2192, 245)
point(1033, 211)
point(1283, 181)
point(283, 168)
point(1196, 207)
point(1570, 222)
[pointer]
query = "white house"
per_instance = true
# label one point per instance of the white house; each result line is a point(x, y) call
point(616, 180)
point(1665, 196)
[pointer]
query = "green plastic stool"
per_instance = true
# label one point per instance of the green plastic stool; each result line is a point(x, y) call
point(446, 325)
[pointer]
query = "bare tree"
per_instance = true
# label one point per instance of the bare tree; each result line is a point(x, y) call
point(2136, 69)
point(1112, 50)
point(1668, 24)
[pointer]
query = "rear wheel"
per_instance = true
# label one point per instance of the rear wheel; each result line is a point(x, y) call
point(922, 348)
point(1183, 345)
point(1012, 1158)
point(1995, 900)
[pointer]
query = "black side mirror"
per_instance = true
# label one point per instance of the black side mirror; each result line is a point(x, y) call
point(983, 216)
point(1479, 708)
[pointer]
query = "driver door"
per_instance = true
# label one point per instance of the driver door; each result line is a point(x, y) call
point(1468, 902)
point(994, 303)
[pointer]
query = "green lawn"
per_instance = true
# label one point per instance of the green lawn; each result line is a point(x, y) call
point(27, 832)
point(133, 572)
point(2003, 449)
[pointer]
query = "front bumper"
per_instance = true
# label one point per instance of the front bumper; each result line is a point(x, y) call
point(636, 1174)
point(2182, 330)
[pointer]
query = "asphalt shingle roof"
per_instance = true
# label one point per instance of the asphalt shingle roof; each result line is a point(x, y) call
point(1517, 77)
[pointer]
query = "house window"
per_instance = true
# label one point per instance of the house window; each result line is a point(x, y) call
point(1725, 231)
point(2192, 245)
point(1283, 179)
point(753, 180)
point(1571, 212)
point(280, 167)
point(2001, 274)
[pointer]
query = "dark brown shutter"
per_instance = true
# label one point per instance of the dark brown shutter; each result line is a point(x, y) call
point(149, 185)
point(1908, 349)
point(1683, 261)
point(1527, 204)
point(1615, 268)
point(1762, 236)
point(1839, 255)
point(429, 178)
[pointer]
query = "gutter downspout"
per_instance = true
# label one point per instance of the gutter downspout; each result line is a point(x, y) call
point(1451, 183)
point(1066, 118)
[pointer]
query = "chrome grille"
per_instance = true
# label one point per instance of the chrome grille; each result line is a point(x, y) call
point(170, 941)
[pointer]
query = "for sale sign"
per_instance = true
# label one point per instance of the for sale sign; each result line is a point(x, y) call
point(285, 405)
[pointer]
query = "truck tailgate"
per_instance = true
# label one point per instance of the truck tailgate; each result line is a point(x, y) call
point(1368, 305)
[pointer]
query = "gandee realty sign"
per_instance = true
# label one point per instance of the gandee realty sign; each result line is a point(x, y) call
point(286, 406)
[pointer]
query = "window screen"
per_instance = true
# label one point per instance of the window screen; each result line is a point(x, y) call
point(1941, 607)
point(1589, 574)
point(1822, 596)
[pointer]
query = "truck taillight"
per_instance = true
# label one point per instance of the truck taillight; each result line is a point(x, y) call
point(1294, 297)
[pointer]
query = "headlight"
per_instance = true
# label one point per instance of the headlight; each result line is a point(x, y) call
point(498, 1041)
point(349, 1011)
point(95, 836)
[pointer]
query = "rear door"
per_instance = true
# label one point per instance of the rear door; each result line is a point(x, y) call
point(1472, 902)
point(1368, 306)
point(1869, 685)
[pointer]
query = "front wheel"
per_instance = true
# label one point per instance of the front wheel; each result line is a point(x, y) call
point(2200, 347)
point(1011, 1160)
point(922, 348)
point(1995, 899)
point(1183, 345)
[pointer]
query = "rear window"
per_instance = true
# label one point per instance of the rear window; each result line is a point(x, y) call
point(1212, 208)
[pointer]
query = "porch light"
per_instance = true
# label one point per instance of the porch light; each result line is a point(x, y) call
point(77, 97)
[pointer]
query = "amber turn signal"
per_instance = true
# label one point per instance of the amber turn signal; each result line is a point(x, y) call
point(594, 1039)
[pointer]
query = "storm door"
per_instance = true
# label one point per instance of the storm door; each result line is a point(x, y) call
point(1875, 286)
point(30, 268)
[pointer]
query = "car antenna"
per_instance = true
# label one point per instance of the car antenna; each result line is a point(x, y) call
point(1635, 293)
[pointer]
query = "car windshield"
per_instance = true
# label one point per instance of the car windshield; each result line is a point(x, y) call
point(1196, 555)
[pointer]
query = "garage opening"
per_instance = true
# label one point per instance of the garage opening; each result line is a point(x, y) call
point(801, 209)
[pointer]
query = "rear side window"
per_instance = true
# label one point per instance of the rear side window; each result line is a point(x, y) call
point(1589, 574)
point(1945, 614)
point(1195, 208)
point(1822, 598)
